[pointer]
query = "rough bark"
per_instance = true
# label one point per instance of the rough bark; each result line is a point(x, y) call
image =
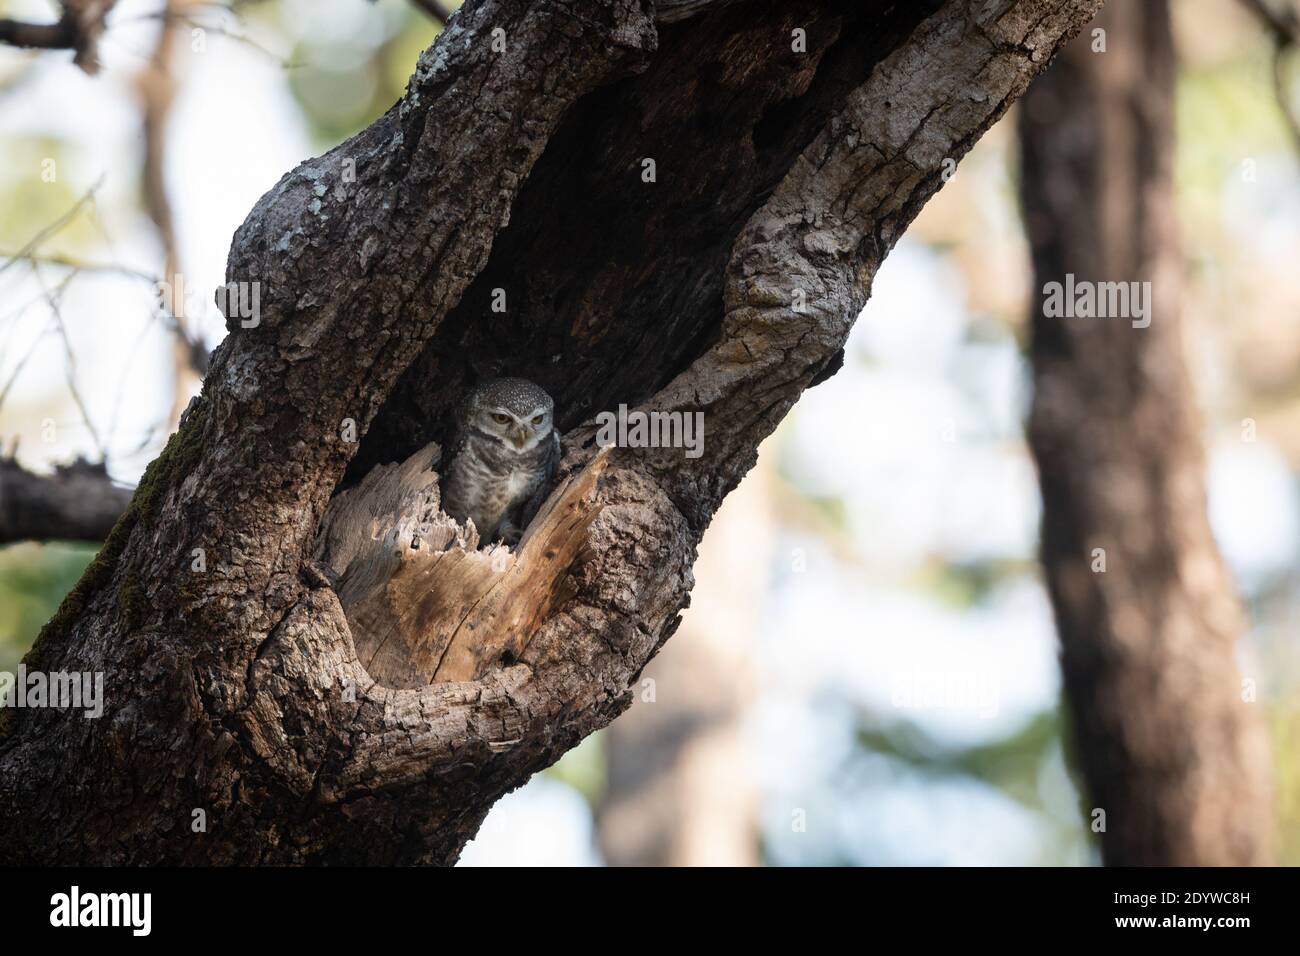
point(725, 287)
point(1168, 748)
point(78, 502)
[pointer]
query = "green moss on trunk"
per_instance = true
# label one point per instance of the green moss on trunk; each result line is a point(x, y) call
point(177, 460)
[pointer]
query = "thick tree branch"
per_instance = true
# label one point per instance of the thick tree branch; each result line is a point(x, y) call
point(77, 503)
point(60, 35)
point(77, 29)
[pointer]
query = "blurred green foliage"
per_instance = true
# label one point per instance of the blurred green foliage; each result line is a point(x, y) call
point(969, 583)
point(344, 84)
point(1011, 763)
point(34, 192)
point(1015, 765)
point(584, 768)
point(33, 580)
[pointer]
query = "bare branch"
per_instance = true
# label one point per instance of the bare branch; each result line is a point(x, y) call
point(77, 29)
point(18, 368)
point(56, 226)
point(172, 14)
point(76, 266)
point(79, 502)
point(38, 36)
point(156, 84)
point(70, 361)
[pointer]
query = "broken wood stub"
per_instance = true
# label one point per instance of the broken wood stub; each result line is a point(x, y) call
point(423, 603)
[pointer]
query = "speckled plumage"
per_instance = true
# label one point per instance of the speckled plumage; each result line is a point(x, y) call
point(503, 459)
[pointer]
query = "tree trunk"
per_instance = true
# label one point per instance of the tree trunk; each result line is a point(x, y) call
point(1169, 749)
point(793, 142)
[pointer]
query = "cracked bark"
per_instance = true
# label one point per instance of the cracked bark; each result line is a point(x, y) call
point(1168, 748)
point(239, 690)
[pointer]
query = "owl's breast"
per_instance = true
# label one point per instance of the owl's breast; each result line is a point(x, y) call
point(519, 483)
point(487, 483)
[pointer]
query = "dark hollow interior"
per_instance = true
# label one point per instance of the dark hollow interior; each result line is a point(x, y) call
point(613, 285)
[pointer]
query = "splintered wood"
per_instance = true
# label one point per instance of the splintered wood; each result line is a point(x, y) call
point(424, 604)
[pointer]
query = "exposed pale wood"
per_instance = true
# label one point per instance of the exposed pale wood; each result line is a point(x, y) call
point(423, 604)
point(531, 585)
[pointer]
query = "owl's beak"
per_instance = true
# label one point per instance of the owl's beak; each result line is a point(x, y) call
point(519, 435)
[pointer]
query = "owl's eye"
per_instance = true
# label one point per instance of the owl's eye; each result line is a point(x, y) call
point(501, 419)
point(537, 419)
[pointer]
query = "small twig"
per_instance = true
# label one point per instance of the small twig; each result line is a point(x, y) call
point(18, 369)
point(25, 253)
point(64, 262)
point(70, 363)
point(126, 369)
point(27, 304)
point(174, 16)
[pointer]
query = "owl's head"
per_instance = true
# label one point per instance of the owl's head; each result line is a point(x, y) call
point(513, 410)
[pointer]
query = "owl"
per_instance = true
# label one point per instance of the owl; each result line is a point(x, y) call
point(503, 458)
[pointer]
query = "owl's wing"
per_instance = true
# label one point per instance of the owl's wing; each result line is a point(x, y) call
point(458, 443)
point(451, 494)
point(550, 464)
point(553, 457)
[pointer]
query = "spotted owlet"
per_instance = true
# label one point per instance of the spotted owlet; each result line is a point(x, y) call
point(503, 459)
